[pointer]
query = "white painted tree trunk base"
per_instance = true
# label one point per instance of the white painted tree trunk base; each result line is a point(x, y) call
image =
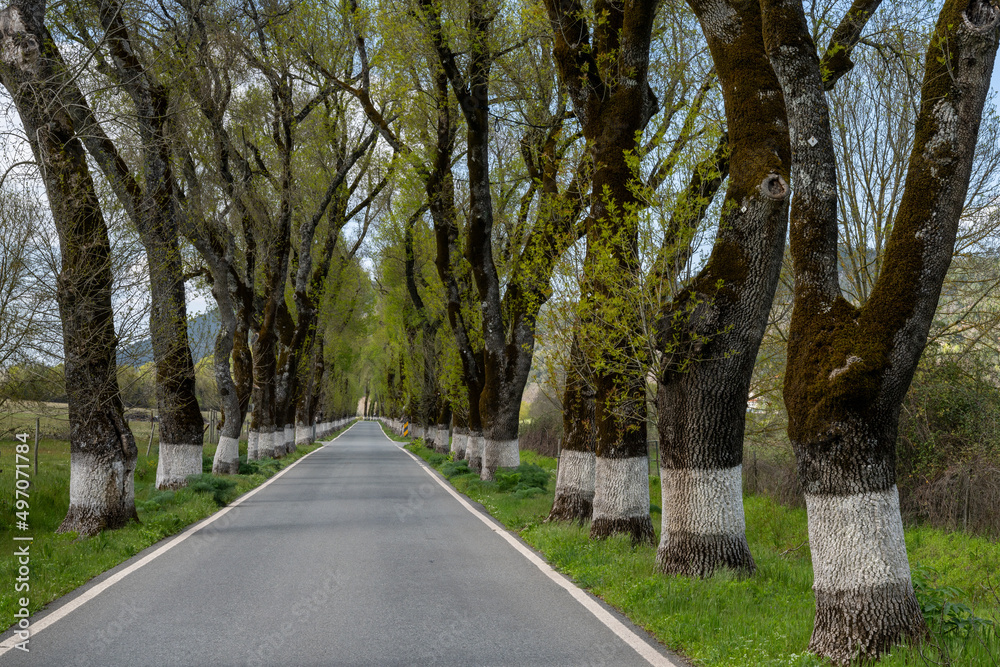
point(289, 438)
point(101, 494)
point(621, 499)
point(227, 457)
point(266, 444)
point(459, 438)
point(473, 452)
point(176, 463)
point(497, 454)
point(442, 443)
point(574, 497)
point(253, 446)
point(703, 525)
point(860, 571)
point(303, 435)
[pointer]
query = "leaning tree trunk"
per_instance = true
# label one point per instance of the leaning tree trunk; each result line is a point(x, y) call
point(153, 208)
point(849, 368)
point(574, 499)
point(102, 449)
point(702, 406)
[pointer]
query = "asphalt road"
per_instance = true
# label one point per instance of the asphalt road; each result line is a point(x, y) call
point(355, 556)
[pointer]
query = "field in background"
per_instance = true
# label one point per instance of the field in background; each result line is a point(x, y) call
point(53, 426)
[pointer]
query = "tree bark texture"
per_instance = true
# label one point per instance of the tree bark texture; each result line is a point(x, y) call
point(442, 442)
point(607, 77)
point(849, 368)
point(151, 204)
point(227, 454)
point(459, 435)
point(574, 495)
point(102, 449)
point(718, 321)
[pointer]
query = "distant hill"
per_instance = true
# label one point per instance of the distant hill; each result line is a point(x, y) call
point(202, 330)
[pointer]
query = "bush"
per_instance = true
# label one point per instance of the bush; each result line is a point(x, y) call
point(455, 468)
point(265, 467)
point(437, 458)
point(948, 453)
point(944, 615)
point(950, 416)
point(155, 501)
point(526, 479)
point(219, 487)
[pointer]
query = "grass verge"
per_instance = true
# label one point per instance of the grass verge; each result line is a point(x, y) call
point(763, 620)
point(63, 562)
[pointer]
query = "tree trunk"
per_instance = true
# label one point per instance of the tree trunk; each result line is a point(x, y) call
point(608, 83)
point(152, 208)
point(227, 454)
point(702, 406)
point(849, 368)
point(574, 498)
point(442, 443)
point(459, 435)
point(242, 361)
point(262, 420)
point(501, 401)
point(102, 449)
point(474, 443)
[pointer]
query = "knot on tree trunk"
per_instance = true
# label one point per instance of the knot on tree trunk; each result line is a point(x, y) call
point(774, 187)
point(981, 16)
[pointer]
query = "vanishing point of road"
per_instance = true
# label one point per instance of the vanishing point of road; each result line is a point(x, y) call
point(355, 555)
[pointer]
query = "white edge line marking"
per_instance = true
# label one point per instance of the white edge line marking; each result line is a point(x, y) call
point(63, 611)
point(638, 644)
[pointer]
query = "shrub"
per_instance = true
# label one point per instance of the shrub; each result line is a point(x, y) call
point(455, 468)
point(155, 501)
point(526, 476)
point(219, 487)
point(948, 454)
point(943, 614)
point(265, 467)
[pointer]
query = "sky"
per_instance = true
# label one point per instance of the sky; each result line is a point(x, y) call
point(996, 78)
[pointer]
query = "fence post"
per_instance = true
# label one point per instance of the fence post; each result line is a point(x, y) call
point(152, 427)
point(36, 445)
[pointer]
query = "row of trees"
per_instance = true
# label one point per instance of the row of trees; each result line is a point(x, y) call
point(505, 153)
point(233, 161)
point(620, 124)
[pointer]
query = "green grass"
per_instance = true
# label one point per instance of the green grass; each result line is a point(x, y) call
point(62, 562)
point(762, 620)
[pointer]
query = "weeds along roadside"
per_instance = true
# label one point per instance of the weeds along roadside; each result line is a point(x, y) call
point(724, 621)
point(61, 563)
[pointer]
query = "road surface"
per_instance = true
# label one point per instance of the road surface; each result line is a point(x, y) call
point(354, 556)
